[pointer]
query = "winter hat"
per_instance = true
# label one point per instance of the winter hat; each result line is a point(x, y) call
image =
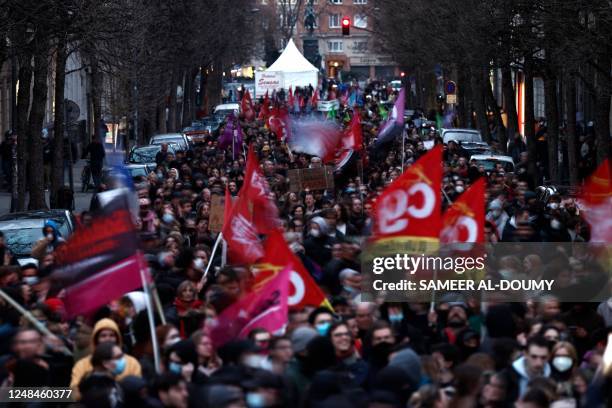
point(410, 362)
point(301, 337)
point(320, 221)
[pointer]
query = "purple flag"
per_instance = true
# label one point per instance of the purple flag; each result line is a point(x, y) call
point(395, 124)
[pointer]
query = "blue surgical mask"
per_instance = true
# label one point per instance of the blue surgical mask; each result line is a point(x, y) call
point(348, 289)
point(396, 318)
point(119, 366)
point(255, 400)
point(175, 368)
point(323, 328)
point(168, 218)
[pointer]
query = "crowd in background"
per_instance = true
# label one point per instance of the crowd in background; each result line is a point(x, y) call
point(361, 354)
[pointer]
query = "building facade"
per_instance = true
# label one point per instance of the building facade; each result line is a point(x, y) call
point(351, 55)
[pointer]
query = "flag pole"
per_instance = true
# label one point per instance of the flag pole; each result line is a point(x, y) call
point(38, 325)
point(212, 255)
point(150, 316)
point(403, 148)
point(158, 304)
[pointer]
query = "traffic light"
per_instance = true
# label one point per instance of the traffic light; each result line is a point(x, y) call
point(346, 26)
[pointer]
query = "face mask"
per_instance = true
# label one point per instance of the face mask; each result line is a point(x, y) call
point(553, 206)
point(348, 289)
point(315, 233)
point(119, 366)
point(459, 189)
point(555, 224)
point(198, 263)
point(322, 328)
point(396, 318)
point(50, 237)
point(255, 400)
point(562, 363)
point(160, 175)
point(496, 213)
point(168, 218)
point(175, 368)
point(30, 280)
point(456, 323)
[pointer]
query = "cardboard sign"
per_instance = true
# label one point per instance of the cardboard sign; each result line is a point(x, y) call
point(320, 178)
point(217, 210)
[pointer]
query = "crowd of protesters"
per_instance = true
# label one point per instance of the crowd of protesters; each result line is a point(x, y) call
point(535, 354)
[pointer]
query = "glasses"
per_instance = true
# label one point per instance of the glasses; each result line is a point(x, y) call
point(341, 334)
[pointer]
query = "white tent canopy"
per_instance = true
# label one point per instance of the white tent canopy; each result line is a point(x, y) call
point(291, 69)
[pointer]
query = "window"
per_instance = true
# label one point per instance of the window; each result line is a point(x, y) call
point(360, 21)
point(334, 46)
point(360, 1)
point(360, 46)
point(334, 21)
point(538, 98)
point(335, 1)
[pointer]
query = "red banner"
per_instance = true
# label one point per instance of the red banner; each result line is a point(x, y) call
point(265, 309)
point(411, 205)
point(464, 220)
point(596, 203)
point(303, 290)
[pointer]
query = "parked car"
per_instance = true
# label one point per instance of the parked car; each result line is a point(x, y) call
point(179, 139)
point(146, 154)
point(135, 170)
point(490, 162)
point(470, 140)
point(221, 111)
point(22, 230)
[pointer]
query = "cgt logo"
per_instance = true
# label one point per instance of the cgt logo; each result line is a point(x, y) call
point(399, 206)
point(465, 229)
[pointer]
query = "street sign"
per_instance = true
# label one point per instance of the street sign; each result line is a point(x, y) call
point(450, 88)
point(451, 99)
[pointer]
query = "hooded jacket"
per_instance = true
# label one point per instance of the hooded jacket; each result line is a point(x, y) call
point(43, 246)
point(84, 367)
point(518, 378)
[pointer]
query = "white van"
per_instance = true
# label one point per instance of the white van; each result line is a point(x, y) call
point(225, 109)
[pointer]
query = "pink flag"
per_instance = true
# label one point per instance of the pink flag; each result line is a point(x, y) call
point(315, 137)
point(266, 308)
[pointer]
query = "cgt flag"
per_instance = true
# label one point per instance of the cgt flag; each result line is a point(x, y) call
point(463, 221)
point(596, 203)
point(256, 191)
point(266, 308)
point(411, 205)
point(303, 290)
point(240, 234)
point(101, 262)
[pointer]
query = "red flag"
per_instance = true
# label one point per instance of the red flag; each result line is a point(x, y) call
point(315, 98)
point(464, 220)
point(290, 99)
point(264, 112)
point(240, 234)
point(257, 191)
point(266, 309)
point(278, 123)
point(411, 205)
point(596, 203)
point(353, 138)
point(101, 262)
point(303, 290)
point(247, 106)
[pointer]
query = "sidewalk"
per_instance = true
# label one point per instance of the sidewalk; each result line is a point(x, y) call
point(82, 200)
